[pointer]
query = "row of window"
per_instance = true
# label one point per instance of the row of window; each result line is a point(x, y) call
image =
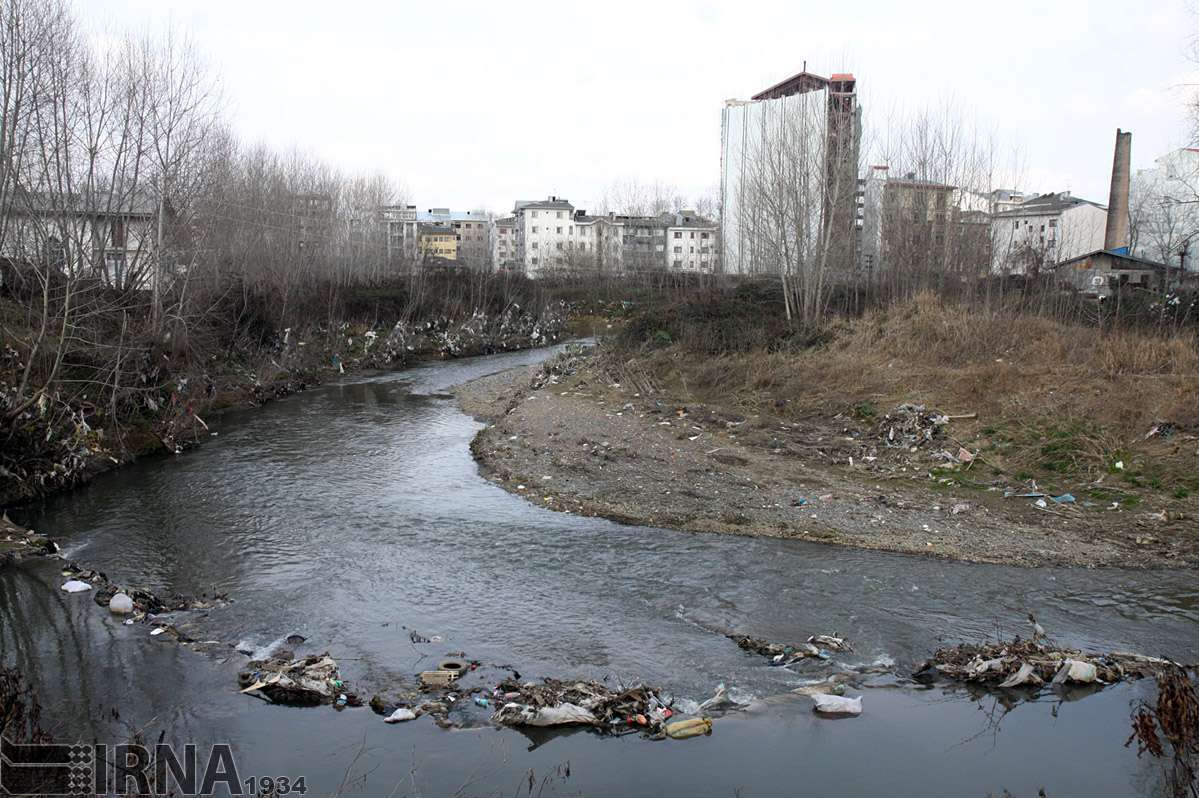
point(679, 234)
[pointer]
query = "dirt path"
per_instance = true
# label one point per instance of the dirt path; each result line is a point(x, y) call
point(573, 442)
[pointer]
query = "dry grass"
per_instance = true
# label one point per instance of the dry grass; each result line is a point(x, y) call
point(1051, 397)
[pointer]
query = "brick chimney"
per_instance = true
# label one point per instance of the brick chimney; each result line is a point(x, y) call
point(1116, 236)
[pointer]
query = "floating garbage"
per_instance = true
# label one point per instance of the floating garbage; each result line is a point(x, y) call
point(560, 703)
point(75, 586)
point(400, 715)
point(694, 727)
point(302, 682)
point(439, 678)
point(827, 704)
point(786, 654)
point(1034, 663)
point(120, 604)
point(565, 714)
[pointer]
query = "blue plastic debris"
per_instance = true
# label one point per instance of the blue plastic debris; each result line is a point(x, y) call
point(1065, 498)
point(481, 701)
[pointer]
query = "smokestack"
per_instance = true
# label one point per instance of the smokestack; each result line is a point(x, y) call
point(1116, 236)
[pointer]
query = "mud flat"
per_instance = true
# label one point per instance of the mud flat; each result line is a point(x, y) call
point(570, 439)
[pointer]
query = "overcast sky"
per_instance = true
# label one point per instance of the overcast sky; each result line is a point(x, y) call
point(477, 104)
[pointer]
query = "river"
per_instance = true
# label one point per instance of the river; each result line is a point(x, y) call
point(353, 514)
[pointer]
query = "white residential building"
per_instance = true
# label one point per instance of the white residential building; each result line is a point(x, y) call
point(691, 243)
point(545, 233)
point(1043, 231)
point(1164, 210)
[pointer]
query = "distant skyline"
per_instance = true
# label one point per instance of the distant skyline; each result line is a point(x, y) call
point(481, 104)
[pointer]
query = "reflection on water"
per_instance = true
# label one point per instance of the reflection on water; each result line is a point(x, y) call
point(354, 510)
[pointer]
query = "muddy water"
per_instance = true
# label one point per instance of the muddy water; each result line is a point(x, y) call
point(353, 514)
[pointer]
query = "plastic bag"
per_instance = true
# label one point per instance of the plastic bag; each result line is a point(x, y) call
point(837, 705)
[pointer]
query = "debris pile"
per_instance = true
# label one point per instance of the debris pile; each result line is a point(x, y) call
point(558, 703)
point(1032, 663)
point(817, 646)
point(911, 425)
point(307, 681)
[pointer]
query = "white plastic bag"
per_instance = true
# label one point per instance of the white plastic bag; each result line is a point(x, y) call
point(564, 714)
point(1073, 670)
point(120, 604)
point(400, 715)
point(837, 705)
point(75, 586)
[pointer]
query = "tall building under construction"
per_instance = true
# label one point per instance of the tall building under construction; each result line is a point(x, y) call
point(788, 176)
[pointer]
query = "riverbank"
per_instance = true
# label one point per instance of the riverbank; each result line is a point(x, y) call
point(174, 415)
point(571, 438)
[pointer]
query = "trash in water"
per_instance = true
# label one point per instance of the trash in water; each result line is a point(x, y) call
point(694, 727)
point(75, 586)
point(1033, 663)
point(400, 715)
point(837, 705)
point(302, 682)
point(786, 654)
point(1073, 670)
point(719, 700)
point(155, 632)
point(438, 678)
point(120, 604)
point(560, 703)
point(482, 701)
point(565, 714)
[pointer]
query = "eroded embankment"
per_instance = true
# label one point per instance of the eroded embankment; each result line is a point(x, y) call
point(569, 438)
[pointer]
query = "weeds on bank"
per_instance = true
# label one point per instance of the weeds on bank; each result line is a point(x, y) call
point(1060, 402)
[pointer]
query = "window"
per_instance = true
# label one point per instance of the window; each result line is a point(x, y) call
point(118, 234)
point(534, 214)
point(692, 250)
point(559, 245)
point(559, 215)
point(534, 228)
point(677, 262)
point(559, 231)
point(1053, 222)
point(678, 234)
point(703, 235)
point(533, 261)
point(678, 249)
point(534, 245)
point(693, 234)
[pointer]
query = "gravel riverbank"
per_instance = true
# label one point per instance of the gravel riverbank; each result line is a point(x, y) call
point(578, 443)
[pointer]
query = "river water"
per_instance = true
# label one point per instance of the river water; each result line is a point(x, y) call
point(353, 514)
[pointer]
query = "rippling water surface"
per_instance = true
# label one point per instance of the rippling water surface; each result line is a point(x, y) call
point(352, 511)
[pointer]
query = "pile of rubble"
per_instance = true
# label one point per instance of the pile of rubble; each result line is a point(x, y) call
point(817, 646)
point(1032, 664)
point(307, 681)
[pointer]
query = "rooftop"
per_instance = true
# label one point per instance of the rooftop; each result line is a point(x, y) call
point(552, 203)
point(1124, 256)
point(1048, 203)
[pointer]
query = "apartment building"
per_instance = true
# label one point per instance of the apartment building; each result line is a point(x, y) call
point(599, 242)
point(544, 234)
point(690, 243)
point(1164, 211)
point(437, 241)
point(762, 159)
point(503, 243)
point(1045, 230)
